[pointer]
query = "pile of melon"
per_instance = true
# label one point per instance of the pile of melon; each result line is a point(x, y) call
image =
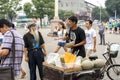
point(88, 64)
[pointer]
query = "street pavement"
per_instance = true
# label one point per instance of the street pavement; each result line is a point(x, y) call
point(51, 44)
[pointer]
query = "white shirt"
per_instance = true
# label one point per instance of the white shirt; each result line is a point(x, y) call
point(90, 34)
point(60, 34)
point(37, 24)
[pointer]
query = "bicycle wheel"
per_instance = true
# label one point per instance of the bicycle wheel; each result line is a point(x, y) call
point(113, 72)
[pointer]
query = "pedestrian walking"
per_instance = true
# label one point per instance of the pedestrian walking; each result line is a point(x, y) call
point(90, 45)
point(119, 27)
point(76, 34)
point(38, 26)
point(106, 26)
point(6, 47)
point(61, 41)
point(34, 51)
point(116, 26)
point(110, 27)
point(102, 34)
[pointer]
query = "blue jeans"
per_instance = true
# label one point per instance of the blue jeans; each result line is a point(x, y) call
point(35, 58)
point(61, 44)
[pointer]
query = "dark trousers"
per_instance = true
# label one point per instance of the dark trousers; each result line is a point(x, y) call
point(102, 38)
point(35, 59)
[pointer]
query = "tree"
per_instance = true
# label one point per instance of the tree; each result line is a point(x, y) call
point(104, 14)
point(28, 9)
point(43, 7)
point(111, 6)
point(63, 14)
point(8, 8)
point(11, 15)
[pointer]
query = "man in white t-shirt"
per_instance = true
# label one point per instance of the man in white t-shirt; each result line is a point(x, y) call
point(90, 39)
point(38, 27)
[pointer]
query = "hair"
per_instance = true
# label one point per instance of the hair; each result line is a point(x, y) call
point(5, 22)
point(63, 25)
point(73, 19)
point(30, 25)
point(12, 25)
point(90, 21)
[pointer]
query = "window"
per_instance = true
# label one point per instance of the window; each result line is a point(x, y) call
point(66, 4)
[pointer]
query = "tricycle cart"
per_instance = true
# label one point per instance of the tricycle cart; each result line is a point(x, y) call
point(55, 73)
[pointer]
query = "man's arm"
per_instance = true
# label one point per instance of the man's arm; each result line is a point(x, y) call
point(44, 49)
point(80, 44)
point(26, 54)
point(6, 44)
point(94, 48)
point(83, 38)
point(4, 52)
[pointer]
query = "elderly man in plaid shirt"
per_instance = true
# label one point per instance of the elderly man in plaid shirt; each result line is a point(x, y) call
point(5, 52)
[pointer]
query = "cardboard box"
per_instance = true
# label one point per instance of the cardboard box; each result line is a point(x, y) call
point(51, 72)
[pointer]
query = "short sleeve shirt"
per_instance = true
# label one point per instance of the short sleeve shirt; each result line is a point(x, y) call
point(37, 25)
point(29, 40)
point(78, 35)
point(19, 48)
point(90, 34)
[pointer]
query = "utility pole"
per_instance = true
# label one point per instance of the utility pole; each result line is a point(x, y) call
point(100, 13)
point(115, 14)
point(56, 10)
point(100, 7)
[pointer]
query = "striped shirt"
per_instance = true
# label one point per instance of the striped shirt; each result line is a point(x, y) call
point(19, 47)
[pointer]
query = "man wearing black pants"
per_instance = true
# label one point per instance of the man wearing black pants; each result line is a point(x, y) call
point(34, 44)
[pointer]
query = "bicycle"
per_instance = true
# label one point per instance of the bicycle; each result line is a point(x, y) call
point(111, 68)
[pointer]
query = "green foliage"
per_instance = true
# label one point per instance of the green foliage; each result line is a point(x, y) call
point(8, 8)
point(104, 14)
point(111, 6)
point(63, 14)
point(28, 9)
point(12, 15)
point(40, 8)
point(43, 7)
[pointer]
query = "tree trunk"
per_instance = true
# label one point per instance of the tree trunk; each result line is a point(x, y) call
point(41, 22)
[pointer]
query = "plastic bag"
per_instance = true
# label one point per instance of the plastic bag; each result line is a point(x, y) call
point(78, 62)
point(51, 57)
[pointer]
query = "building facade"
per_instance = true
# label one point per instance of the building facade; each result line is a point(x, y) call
point(76, 6)
point(79, 7)
point(89, 7)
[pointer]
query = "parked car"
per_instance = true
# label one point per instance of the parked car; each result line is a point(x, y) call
point(81, 23)
point(22, 23)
